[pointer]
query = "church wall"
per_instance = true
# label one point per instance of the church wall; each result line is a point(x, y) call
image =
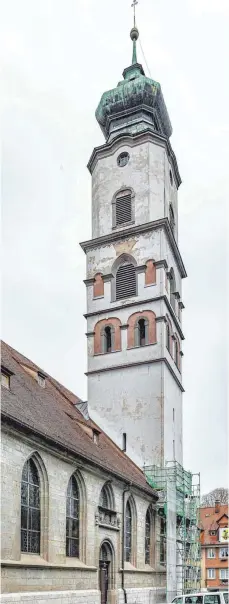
point(58, 597)
point(52, 571)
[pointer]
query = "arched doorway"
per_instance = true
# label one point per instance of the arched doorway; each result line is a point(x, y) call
point(106, 571)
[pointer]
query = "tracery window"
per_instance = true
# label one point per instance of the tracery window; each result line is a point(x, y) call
point(30, 509)
point(104, 498)
point(72, 518)
point(128, 533)
point(147, 537)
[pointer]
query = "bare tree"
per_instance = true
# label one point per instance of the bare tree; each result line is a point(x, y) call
point(220, 494)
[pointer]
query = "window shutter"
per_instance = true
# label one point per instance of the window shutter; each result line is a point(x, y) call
point(123, 209)
point(125, 281)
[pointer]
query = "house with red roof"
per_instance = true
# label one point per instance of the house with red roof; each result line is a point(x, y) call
point(214, 539)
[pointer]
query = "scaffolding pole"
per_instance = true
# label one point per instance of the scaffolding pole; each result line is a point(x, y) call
point(178, 507)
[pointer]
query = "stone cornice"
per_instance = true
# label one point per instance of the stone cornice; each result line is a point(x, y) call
point(137, 303)
point(135, 364)
point(161, 264)
point(162, 223)
point(132, 140)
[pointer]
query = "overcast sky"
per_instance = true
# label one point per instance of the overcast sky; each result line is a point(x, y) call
point(57, 58)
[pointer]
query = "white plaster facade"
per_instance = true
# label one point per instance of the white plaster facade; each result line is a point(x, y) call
point(137, 391)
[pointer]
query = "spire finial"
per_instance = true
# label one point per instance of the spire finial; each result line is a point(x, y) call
point(135, 2)
point(134, 35)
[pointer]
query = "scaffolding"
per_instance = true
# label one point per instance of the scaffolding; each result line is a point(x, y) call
point(178, 532)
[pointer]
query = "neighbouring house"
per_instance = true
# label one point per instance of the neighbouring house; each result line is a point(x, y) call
point(214, 546)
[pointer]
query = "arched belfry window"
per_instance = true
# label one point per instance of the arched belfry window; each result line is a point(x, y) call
point(107, 334)
point(128, 533)
point(172, 289)
point(30, 509)
point(126, 281)
point(167, 336)
point(141, 332)
point(171, 217)
point(73, 519)
point(107, 338)
point(122, 208)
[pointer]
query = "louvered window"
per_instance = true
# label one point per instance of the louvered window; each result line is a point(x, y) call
point(123, 209)
point(125, 281)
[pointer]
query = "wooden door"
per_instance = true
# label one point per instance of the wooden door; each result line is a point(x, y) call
point(103, 580)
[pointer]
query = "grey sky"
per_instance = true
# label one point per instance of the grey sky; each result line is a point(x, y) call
point(58, 57)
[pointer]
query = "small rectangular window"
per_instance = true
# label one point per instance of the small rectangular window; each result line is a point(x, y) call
point(211, 553)
point(223, 552)
point(124, 441)
point(211, 573)
point(5, 380)
point(5, 377)
point(41, 379)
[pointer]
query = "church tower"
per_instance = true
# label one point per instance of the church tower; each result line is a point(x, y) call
point(134, 274)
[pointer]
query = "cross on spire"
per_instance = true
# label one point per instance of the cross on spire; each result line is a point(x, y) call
point(135, 2)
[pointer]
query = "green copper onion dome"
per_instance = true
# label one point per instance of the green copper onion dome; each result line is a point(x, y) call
point(136, 104)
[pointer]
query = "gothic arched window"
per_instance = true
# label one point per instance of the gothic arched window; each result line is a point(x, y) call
point(126, 281)
point(72, 519)
point(128, 533)
point(104, 498)
point(147, 537)
point(30, 509)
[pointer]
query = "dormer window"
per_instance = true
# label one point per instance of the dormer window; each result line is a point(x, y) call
point(95, 437)
point(5, 377)
point(41, 379)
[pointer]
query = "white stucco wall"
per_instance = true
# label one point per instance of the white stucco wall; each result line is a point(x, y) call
point(147, 173)
point(131, 400)
point(173, 419)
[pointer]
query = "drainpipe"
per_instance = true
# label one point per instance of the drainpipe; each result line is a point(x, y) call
point(125, 490)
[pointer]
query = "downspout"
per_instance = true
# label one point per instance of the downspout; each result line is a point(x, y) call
point(125, 490)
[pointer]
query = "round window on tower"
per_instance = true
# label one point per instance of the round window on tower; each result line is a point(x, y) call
point(123, 159)
point(171, 177)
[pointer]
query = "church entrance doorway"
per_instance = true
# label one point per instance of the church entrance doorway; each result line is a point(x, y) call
point(105, 572)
